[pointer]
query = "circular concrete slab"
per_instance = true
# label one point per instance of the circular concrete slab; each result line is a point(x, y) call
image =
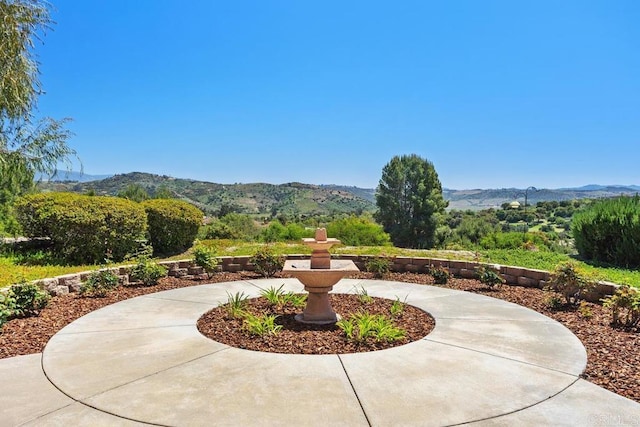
point(144, 360)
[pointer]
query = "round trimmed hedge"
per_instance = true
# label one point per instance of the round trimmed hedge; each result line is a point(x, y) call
point(173, 224)
point(609, 232)
point(83, 229)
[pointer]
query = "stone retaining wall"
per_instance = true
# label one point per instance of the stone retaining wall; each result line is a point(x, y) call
point(466, 269)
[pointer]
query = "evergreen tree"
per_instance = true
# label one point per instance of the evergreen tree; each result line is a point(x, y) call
point(409, 199)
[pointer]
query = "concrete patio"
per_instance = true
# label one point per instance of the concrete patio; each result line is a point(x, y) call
point(143, 362)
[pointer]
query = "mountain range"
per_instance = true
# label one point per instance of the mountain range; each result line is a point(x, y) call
point(301, 199)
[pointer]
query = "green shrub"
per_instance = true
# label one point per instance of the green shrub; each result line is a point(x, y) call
point(99, 283)
point(147, 271)
point(358, 231)
point(513, 240)
point(173, 224)
point(83, 229)
point(22, 300)
point(5, 308)
point(266, 262)
point(609, 231)
point(379, 266)
point(204, 257)
point(553, 301)
point(277, 232)
point(440, 275)
point(489, 275)
point(232, 226)
point(624, 306)
point(570, 282)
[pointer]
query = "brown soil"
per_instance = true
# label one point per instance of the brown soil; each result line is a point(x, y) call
point(613, 354)
point(300, 338)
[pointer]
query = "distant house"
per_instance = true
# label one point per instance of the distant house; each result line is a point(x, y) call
point(514, 205)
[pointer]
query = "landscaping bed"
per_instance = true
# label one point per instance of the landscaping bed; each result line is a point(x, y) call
point(613, 354)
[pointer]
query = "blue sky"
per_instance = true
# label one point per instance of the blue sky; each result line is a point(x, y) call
point(494, 93)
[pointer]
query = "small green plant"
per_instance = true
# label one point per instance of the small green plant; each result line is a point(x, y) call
point(22, 300)
point(440, 275)
point(348, 326)
point(204, 257)
point(261, 325)
point(489, 275)
point(585, 310)
point(553, 301)
point(387, 331)
point(147, 271)
point(566, 280)
point(266, 262)
point(236, 304)
point(397, 306)
point(295, 300)
point(624, 306)
point(99, 283)
point(379, 266)
point(363, 326)
point(275, 296)
point(6, 308)
point(363, 296)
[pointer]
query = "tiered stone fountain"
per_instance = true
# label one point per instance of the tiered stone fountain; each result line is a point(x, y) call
point(318, 275)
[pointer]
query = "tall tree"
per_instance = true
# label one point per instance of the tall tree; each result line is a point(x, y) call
point(40, 143)
point(27, 145)
point(409, 199)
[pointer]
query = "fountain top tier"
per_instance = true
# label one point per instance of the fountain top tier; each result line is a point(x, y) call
point(320, 242)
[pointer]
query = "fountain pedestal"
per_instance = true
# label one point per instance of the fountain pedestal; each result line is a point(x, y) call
point(318, 275)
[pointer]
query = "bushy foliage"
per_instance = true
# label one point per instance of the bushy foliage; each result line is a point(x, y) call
point(358, 231)
point(83, 229)
point(232, 226)
point(489, 275)
point(624, 306)
point(278, 232)
point(173, 224)
point(609, 231)
point(22, 300)
point(513, 240)
point(99, 283)
point(135, 192)
point(204, 257)
point(147, 271)
point(440, 274)
point(266, 262)
point(468, 228)
point(569, 281)
point(379, 265)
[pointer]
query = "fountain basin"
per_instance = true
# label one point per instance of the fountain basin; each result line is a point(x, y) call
point(319, 278)
point(318, 282)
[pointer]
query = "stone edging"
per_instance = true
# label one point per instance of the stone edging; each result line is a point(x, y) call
point(186, 269)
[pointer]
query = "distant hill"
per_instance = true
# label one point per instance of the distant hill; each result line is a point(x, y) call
point(308, 199)
point(73, 176)
point(484, 199)
point(259, 198)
